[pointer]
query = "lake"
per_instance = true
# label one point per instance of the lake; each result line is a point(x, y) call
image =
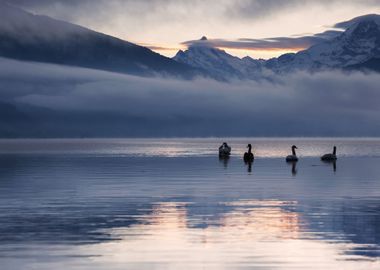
point(173, 204)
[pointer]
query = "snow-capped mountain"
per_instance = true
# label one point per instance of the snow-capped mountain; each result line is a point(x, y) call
point(358, 44)
point(217, 62)
point(358, 47)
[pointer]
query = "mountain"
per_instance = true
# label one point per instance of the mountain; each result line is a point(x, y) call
point(217, 62)
point(25, 36)
point(357, 48)
point(358, 44)
point(371, 65)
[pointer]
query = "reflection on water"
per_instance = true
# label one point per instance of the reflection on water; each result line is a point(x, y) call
point(293, 165)
point(224, 160)
point(253, 234)
point(169, 234)
point(249, 165)
point(332, 163)
point(95, 208)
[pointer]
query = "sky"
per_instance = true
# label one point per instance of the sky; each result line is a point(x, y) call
point(235, 25)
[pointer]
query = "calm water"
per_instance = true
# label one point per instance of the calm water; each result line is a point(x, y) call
point(172, 204)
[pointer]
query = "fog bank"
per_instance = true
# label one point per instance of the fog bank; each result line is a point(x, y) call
point(41, 100)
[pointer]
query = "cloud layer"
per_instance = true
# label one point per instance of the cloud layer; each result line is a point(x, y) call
point(275, 43)
point(47, 100)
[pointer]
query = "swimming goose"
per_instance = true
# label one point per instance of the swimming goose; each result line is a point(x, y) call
point(224, 150)
point(293, 156)
point(330, 157)
point(248, 156)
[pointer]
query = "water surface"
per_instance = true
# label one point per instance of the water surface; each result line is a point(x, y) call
point(173, 204)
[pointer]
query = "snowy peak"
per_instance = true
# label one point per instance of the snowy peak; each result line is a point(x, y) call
point(357, 46)
point(359, 43)
point(363, 30)
point(221, 65)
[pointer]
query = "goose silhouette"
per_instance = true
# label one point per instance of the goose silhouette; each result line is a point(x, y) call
point(248, 156)
point(330, 157)
point(293, 157)
point(224, 150)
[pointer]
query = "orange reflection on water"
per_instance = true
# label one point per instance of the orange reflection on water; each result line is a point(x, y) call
point(254, 220)
point(261, 220)
point(246, 234)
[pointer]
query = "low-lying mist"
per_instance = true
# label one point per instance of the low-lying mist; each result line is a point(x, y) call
point(42, 100)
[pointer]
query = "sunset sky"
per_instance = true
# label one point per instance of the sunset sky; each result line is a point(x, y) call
point(236, 25)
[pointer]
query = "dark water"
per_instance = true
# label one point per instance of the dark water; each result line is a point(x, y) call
point(172, 204)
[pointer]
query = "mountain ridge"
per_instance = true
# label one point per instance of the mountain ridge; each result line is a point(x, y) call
point(353, 49)
point(29, 37)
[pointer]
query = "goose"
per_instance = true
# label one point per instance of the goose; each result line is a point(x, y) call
point(248, 156)
point(224, 150)
point(330, 157)
point(293, 156)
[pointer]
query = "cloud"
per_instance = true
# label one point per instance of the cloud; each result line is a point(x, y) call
point(346, 24)
point(27, 27)
point(63, 101)
point(260, 8)
point(275, 43)
point(256, 9)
